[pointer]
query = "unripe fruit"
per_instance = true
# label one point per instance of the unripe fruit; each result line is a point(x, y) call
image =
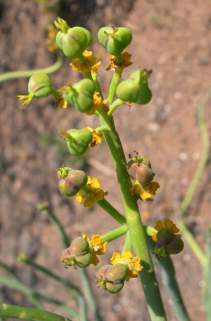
point(74, 41)
point(114, 288)
point(78, 253)
point(176, 245)
point(135, 89)
point(117, 273)
point(142, 173)
point(114, 40)
point(79, 246)
point(72, 183)
point(78, 140)
point(40, 85)
point(81, 95)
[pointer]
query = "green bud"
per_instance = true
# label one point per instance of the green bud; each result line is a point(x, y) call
point(81, 95)
point(135, 89)
point(117, 273)
point(114, 40)
point(74, 41)
point(72, 183)
point(79, 246)
point(40, 85)
point(78, 140)
point(77, 254)
point(114, 288)
point(176, 245)
point(142, 173)
point(112, 277)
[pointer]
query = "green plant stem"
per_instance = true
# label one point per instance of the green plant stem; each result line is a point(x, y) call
point(136, 228)
point(23, 313)
point(72, 289)
point(204, 156)
point(193, 244)
point(112, 211)
point(114, 82)
point(127, 243)
point(116, 233)
point(190, 239)
point(114, 106)
point(11, 75)
point(89, 294)
point(170, 282)
point(34, 297)
point(207, 277)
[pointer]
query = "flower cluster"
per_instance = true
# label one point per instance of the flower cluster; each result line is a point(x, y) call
point(136, 177)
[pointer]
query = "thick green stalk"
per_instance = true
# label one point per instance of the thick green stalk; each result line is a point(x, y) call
point(112, 211)
point(116, 233)
point(170, 282)
point(136, 228)
point(11, 75)
point(207, 278)
point(23, 313)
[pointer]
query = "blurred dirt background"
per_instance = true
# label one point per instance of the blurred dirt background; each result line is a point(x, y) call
point(173, 38)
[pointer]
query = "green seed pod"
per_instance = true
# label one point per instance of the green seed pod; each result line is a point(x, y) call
point(78, 253)
point(83, 100)
point(114, 40)
point(135, 89)
point(83, 260)
point(71, 184)
point(114, 287)
point(176, 245)
point(112, 277)
point(79, 246)
point(40, 85)
point(164, 237)
point(78, 140)
point(117, 273)
point(74, 41)
point(142, 173)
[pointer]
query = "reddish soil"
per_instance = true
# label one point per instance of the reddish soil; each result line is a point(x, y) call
point(173, 38)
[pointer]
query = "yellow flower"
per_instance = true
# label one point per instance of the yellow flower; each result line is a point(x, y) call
point(51, 41)
point(96, 137)
point(98, 246)
point(90, 193)
point(25, 99)
point(89, 63)
point(125, 61)
point(133, 262)
point(145, 193)
point(166, 224)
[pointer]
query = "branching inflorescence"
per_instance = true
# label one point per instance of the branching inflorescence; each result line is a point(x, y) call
point(135, 174)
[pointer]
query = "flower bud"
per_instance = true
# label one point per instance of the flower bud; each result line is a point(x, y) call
point(78, 253)
point(78, 140)
point(114, 40)
point(176, 245)
point(112, 277)
point(74, 41)
point(142, 172)
point(135, 89)
point(40, 85)
point(168, 243)
point(72, 182)
point(81, 95)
